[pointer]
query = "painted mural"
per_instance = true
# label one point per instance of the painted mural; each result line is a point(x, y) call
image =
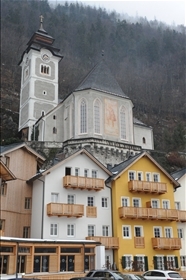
point(111, 117)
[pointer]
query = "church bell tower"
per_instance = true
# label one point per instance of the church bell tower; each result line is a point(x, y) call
point(39, 80)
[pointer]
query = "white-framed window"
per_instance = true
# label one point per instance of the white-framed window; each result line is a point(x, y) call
point(94, 173)
point(138, 231)
point(3, 189)
point(28, 202)
point(155, 203)
point(156, 177)
point(140, 176)
point(160, 262)
point(148, 176)
point(165, 204)
point(128, 261)
point(70, 230)
point(71, 199)
point(91, 230)
point(53, 229)
point(123, 130)
point(105, 230)
point(125, 202)
point(45, 69)
point(97, 117)
point(132, 175)
point(126, 231)
point(171, 263)
point(86, 171)
point(83, 116)
point(54, 197)
point(26, 232)
point(168, 232)
point(180, 232)
point(104, 202)
point(76, 171)
point(183, 260)
point(140, 263)
point(90, 201)
point(157, 231)
point(177, 205)
point(136, 202)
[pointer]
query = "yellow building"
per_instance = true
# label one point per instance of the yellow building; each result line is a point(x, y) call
point(144, 215)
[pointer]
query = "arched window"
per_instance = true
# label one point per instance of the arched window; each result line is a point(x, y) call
point(144, 140)
point(97, 117)
point(83, 116)
point(123, 123)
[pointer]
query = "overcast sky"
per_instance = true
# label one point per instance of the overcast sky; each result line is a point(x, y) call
point(170, 12)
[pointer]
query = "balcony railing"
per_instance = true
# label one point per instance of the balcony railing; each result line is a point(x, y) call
point(181, 215)
point(86, 183)
point(163, 243)
point(148, 213)
point(68, 210)
point(147, 187)
point(108, 242)
point(139, 242)
point(91, 211)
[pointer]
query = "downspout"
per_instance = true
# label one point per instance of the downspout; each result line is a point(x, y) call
point(42, 213)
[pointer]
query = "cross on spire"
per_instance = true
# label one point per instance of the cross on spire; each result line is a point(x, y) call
point(41, 21)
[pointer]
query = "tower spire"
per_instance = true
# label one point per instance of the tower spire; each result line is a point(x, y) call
point(41, 23)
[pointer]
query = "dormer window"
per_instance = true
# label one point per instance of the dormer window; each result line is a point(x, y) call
point(45, 69)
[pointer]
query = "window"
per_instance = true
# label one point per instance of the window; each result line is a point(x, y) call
point(156, 177)
point(104, 202)
point(171, 262)
point(76, 171)
point(83, 116)
point(42, 113)
point(136, 202)
point(70, 230)
point(26, 232)
point(125, 202)
point(159, 262)
point(53, 229)
point(180, 233)
point(140, 176)
point(90, 201)
point(166, 204)
point(2, 224)
point(144, 140)
point(168, 232)
point(183, 260)
point(177, 205)
point(123, 124)
point(126, 231)
point(138, 231)
point(91, 230)
point(54, 130)
point(139, 263)
point(148, 177)
point(26, 73)
point(85, 172)
point(44, 92)
point(97, 117)
point(154, 203)
point(27, 203)
point(45, 69)
point(71, 199)
point(3, 188)
point(127, 262)
point(54, 117)
point(131, 175)
point(54, 197)
point(105, 230)
point(157, 232)
point(94, 174)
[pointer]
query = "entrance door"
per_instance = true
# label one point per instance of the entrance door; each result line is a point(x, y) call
point(41, 263)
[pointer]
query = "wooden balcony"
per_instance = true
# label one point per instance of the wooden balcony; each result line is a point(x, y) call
point(181, 216)
point(68, 210)
point(108, 242)
point(91, 211)
point(148, 213)
point(163, 243)
point(147, 187)
point(139, 242)
point(83, 183)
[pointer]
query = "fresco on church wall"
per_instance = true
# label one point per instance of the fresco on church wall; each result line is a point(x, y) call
point(111, 117)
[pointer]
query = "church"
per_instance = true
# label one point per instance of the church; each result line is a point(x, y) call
point(97, 115)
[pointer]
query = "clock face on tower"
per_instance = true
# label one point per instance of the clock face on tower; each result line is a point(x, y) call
point(45, 57)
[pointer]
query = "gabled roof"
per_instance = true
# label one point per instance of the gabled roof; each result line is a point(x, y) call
point(82, 151)
point(100, 78)
point(179, 174)
point(119, 169)
point(140, 123)
point(5, 173)
point(15, 146)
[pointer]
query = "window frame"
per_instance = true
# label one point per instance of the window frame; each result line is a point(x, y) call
point(90, 203)
point(26, 232)
point(127, 199)
point(83, 115)
point(146, 176)
point(71, 199)
point(28, 203)
point(122, 119)
point(70, 230)
point(180, 232)
point(91, 230)
point(168, 232)
point(105, 230)
point(137, 199)
point(141, 175)
point(160, 231)
point(45, 69)
point(155, 200)
point(156, 177)
point(97, 109)
point(141, 231)
point(105, 202)
point(166, 201)
point(128, 227)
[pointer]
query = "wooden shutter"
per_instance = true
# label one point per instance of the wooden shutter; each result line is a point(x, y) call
point(123, 262)
point(146, 263)
point(176, 261)
point(165, 262)
point(155, 262)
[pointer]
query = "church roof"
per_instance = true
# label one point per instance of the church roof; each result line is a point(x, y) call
point(100, 78)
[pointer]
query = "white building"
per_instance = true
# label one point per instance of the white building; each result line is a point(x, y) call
point(72, 202)
point(180, 203)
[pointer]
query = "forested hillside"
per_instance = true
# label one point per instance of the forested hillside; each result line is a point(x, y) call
point(147, 58)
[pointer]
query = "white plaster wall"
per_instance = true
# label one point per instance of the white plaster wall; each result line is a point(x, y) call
point(139, 133)
point(100, 257)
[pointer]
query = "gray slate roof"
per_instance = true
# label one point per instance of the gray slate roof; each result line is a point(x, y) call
point(178, 174)
point(7, 148)
point(100, 78)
